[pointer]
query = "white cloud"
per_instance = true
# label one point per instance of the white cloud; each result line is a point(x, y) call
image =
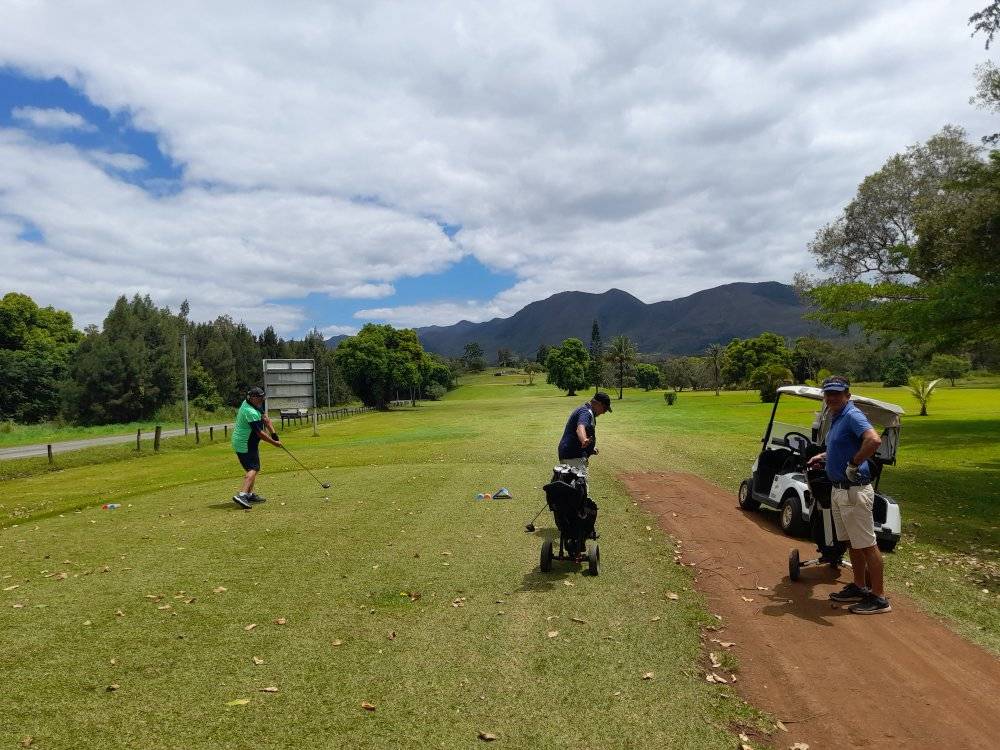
point(338, 330)
point(53, 119)
point(438, 313)
point(656, 147)
point(120, 161)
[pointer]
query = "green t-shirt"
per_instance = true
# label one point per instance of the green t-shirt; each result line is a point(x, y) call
point(248, 424)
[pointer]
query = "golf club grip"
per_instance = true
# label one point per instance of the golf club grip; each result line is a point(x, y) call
point(274, 436)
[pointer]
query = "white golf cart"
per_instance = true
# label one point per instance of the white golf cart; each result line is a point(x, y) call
point(779, 479)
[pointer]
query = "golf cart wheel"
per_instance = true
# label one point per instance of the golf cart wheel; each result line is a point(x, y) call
point(790, 516)
point(793, 565)
point(887, 545)
point(594, 560)
point(745, 497)
point(546, 561)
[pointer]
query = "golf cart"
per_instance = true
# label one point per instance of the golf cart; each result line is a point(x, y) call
point(779, 479)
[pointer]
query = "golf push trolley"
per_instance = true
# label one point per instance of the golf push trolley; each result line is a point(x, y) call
point(575, 515)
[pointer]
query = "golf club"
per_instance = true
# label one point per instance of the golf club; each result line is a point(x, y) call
point(530, 526)
point(324, 485)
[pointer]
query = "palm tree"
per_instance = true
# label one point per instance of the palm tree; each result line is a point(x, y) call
point(621, 353)
point(922, 391)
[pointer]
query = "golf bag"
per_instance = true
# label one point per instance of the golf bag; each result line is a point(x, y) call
point(575, 514)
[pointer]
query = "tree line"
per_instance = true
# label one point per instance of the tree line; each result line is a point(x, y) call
point(131, 368)
point(762, 363)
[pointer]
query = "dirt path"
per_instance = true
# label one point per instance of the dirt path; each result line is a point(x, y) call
point(837, 680)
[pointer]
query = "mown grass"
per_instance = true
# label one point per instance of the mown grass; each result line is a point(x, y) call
point(441, 616)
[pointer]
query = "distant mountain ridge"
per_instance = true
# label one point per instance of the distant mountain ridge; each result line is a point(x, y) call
point(681, 326)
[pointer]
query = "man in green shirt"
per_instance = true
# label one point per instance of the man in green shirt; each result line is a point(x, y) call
point(252, 426)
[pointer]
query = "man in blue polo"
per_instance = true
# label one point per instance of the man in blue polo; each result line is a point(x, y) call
point(579, 438)
point(850, 442)
point(252, 426)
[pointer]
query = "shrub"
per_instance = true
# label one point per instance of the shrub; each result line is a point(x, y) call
point(670, 397)
point(896, 373)
point(435, 391)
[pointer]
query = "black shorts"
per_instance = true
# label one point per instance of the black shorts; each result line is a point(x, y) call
point(249, 460)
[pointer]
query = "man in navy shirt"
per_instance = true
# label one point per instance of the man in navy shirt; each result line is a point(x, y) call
point(579, 438)
point(850, 442)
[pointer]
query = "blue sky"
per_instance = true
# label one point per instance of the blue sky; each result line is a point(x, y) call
point(22, 97)
point(385, 163)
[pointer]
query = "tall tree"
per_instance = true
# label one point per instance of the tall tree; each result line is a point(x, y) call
point(715, 356)
point(473, 357)
point(913, 256)
point(380, 361)
point(568, 366)
point(622, 355)
point(743, 356)
point(596, 356)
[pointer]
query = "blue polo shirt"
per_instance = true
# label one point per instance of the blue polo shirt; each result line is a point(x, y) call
point(569, 445)
point(843, 441)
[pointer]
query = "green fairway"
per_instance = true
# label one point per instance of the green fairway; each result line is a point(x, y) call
point(443, 622)
point(405, 592)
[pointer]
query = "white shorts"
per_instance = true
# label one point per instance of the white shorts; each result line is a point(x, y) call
point(852, 515)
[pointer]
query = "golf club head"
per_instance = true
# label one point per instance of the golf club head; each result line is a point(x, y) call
point(326, 485)
point(529, 528)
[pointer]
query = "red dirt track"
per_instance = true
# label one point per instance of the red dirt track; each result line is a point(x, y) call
point(837, 680)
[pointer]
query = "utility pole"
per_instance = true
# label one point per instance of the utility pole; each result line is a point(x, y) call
point(328, 386)
point(184, 356)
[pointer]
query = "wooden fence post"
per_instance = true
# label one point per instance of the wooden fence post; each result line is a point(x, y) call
point(211, 433)
point(138, 439)
point(156, 438)
point(225, 430)
point(197, 436)
point(49, 448)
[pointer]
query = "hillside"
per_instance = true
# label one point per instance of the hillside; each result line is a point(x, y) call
point(681, 326)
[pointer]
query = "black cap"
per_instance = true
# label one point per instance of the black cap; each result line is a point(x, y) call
point(255, 392)
point(603, 398)
point(836, 383)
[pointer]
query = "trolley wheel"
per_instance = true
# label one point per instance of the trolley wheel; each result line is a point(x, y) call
point(546, 560)
point(594, 560)
point(793, 565)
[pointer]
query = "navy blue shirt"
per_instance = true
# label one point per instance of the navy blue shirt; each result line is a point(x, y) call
point(569, 445)
point(843, 441)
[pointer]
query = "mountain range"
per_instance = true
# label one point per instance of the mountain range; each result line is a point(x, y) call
point(680, 326)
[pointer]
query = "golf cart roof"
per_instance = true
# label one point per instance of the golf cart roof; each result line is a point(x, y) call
point(881, 412)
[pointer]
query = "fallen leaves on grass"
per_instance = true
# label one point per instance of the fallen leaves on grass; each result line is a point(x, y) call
point(112, 687)
point(724, 644)
point(799, 746)
point(672, 596)
point(714, 658)
point(648, 675)
point(219, 590)
point(568, 583)
point(257, 660)
point(392, 635)
point(655, 619)
point(579, 620)
point(367, 706)
point(338, 642)
point(250, 627)
point(119, 613)
point(270, 689)
point(552, 633)
point(238, 702)
point(459, 602)
point(781, 726)
point(165, 606)
point(26, 741)
point(487, 737)
point(154, 597)
point(280, 621)
point(11, 588)
point(746, 599)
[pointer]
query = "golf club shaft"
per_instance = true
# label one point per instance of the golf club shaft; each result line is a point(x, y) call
point(302, 465)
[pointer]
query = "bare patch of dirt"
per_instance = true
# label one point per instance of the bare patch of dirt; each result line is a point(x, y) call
point(835, 679)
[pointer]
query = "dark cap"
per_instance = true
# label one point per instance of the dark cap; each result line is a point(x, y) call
point(255, 392)
point(836, 383)
point(603, 398)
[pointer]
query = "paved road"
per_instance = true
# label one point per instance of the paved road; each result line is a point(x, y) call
point(27, 451)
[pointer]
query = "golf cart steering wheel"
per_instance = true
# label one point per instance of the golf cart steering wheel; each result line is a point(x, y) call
point(806, 442)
